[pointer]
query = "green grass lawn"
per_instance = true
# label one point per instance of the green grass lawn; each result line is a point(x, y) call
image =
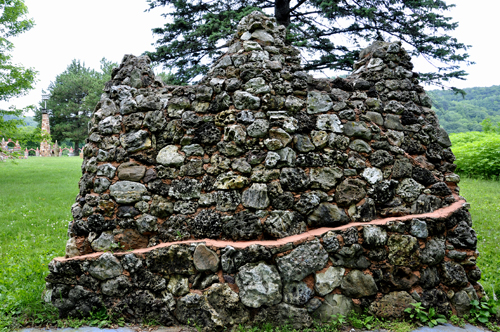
point(35, 201)
point(35, 206)
point(484, 197)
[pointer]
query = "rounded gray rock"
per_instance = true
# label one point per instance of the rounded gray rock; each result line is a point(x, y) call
point(259, 284)
point(356, 284)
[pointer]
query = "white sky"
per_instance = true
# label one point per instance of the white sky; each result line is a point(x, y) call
point(92, 29)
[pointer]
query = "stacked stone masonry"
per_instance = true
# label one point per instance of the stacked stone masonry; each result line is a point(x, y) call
point(263, 193)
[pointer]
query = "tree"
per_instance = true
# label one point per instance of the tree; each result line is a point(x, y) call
point(325, 29)
point(15, 80)
point(73, 96)
point(9, 120)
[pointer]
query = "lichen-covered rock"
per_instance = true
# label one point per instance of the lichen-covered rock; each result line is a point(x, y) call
point(392, 305)
point(372, 175)
point(227, 200)
point(193, 309)
point(185, 189)
point(329, 122)
point(174, 259)
point(294, 179)
point(104, 242)
point(161, 207)
point(259, 284)
point(178, 285)
point(169, 156)
point(207, 224)
point(351, 256)
point(433, 253)
point(106, 170)
point(285, 314)
point(419, 229)
point(106, 267)
point(297, 293)
point(318, 102)
point(403, 250)
point(146, 223)
point(135, 141)
point(227, 305)
point(350, 191)
point(256, 197)
point(374, 236)
point(245, 100)
point(302, 261)
point(327, 214)
point(356, 284)
point(462, 300)
point(116, 287)
point(243, 226)
point(126, 192)
point(453, 274)
point(463, 236)
point(334, 305)
point(409, 189)
point(326, 177)
point(230, 181)
point(281, 224)
point(325, 282)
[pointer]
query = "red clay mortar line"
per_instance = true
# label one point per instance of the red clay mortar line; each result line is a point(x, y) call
point(440, 213)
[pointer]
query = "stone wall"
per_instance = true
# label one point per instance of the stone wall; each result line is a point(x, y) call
point(263, 192)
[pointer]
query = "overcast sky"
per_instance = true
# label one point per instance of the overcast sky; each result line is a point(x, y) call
point(92, 29)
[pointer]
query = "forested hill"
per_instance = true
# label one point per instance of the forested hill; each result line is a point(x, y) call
point(457, 114)
point(29, 120)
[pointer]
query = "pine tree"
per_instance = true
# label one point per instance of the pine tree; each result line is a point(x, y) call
point(329, 31)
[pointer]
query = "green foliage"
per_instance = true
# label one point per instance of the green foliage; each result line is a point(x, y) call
point(15, 80)
point(170, 78)
point(363, 321)
point(195, 32)
point(481, 311)
point(73, 97)
point(457, 321)
point(490, 126)
point(431, 317)
point(459, 113)
point(9, 121)
point(477, 153)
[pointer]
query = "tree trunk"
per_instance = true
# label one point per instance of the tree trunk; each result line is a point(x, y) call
point(76, 147)
point(282, 12)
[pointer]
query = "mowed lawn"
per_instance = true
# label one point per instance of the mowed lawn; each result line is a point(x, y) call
point(35, 202)
point(484, 198)
point(35, 206)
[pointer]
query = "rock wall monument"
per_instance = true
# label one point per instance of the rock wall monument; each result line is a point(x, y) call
point(264, 194)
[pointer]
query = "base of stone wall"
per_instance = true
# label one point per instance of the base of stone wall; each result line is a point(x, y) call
point(383, 265)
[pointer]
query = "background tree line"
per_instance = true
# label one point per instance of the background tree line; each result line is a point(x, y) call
point(459, 113)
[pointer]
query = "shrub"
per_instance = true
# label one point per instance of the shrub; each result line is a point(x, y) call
point(477, 153)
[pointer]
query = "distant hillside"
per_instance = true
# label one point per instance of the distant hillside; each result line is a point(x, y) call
point(30, 121)
point(457, 114)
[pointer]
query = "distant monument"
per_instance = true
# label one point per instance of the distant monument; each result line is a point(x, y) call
point(45, 149)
